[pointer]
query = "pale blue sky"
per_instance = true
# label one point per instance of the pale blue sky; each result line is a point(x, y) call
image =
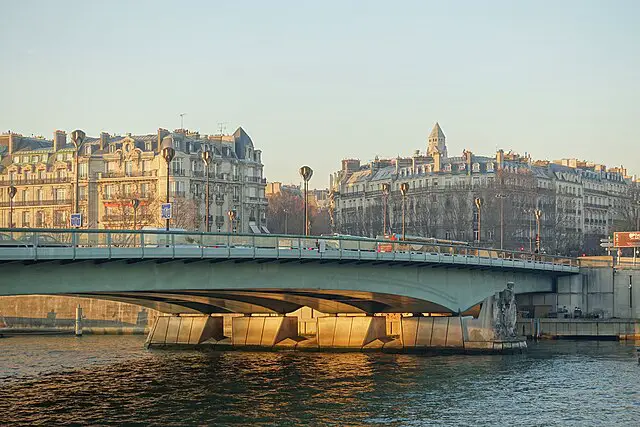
point(314, 82)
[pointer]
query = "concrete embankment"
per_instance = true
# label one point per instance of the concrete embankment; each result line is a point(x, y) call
point(47, 314)
point(624, 329)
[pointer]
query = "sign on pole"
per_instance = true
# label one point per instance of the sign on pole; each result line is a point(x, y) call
point(606, 245)
point(165, 211)
point(626, 239)
point(76, 220)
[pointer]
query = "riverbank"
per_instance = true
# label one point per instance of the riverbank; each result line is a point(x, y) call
point(596, 329)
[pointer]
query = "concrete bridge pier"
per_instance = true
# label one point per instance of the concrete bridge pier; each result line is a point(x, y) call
point(349, 332)
point(493, 331)
point(185, 330)
point(264, 331)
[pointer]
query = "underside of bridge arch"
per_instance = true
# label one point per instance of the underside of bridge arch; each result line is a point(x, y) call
point(270, 301)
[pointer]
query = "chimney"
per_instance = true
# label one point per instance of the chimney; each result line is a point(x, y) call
point(59, 140)
point(161, 134)
point(468, 158)
point(12, 141)
point(104, 140)
point(500, 158)
point(437, 167)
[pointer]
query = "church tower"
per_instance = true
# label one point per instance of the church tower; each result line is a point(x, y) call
point(437, 142)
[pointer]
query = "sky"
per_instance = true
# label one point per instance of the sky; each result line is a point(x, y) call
point(315, 82)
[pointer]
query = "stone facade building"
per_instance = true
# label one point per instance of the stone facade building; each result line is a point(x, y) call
point(579, 202)
point(116, 170)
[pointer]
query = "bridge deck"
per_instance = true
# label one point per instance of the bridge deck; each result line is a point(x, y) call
point(56, 244)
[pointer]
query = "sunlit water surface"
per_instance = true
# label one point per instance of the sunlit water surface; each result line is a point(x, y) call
point(113, 379)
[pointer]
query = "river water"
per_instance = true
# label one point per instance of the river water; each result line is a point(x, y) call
point(113, 380)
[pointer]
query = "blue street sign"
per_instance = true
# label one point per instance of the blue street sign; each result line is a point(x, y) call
point(76, 220)
point(166, 211)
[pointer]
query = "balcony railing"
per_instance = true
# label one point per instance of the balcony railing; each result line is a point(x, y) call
point(256, 179)
point(37, 181)
point(20, 203)
point(129, 174)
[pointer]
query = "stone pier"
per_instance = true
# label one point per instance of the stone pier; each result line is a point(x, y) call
point(185, 330)
point(264, 331)
point(349, 332)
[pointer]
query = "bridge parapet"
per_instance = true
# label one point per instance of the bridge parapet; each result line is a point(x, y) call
point(81, 244)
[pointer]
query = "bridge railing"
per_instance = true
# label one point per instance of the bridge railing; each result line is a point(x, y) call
point(39, 242)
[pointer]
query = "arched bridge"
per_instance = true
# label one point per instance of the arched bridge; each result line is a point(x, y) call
point(192, 272)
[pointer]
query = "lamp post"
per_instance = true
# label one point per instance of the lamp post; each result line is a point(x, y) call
point(538, 214)
point(77, 138)
point(306, 173)
point(478, 203)
point(135, 203)
point(386, 188)
point(168, 153)
point(232, 217)
point(206, 158)
point(286, 225)
point(501, 197)
point(404, 189)
point(12, 193)
point(530, 212)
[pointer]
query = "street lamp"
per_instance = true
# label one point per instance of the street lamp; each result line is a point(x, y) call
point(501, 197)
point(135, 203)
point(232, 217)
point(404, 189)
point(386, 188)
point(168, 153)
point(306, 173)
point(538, 214)
point(286, 226)
point(12, 193)
point(77, 138)
point(206, 158)
point(478, 203)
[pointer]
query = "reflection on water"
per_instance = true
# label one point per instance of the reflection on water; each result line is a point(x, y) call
point(98, 379)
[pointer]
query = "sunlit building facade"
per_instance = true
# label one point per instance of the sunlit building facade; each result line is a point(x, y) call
point(123, 181)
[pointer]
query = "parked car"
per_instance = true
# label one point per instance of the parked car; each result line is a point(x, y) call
point(7, 241)
point(43, 240)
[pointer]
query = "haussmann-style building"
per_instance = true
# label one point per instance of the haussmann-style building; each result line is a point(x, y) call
point(574, 203)
point(118, 173)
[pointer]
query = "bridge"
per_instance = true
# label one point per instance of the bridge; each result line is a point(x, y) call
point(205, 274)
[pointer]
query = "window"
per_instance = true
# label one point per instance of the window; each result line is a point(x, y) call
point(84, 170)
point(39, 219)
point(26, 218)
point(128, 168)
point(87, 150)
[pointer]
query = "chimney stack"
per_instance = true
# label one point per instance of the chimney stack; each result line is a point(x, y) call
point(500, 159)
point(437, 166)
point(59, 140)
point(104, 140)
point(161, 134)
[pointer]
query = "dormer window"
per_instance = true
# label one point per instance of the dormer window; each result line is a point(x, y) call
point(112, 148)
point(476, 167)
point(447, 167)
point(490, 167)
point(147, 146)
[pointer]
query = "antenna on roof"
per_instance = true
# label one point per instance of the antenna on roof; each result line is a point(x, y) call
point(222, 128)
point(182, 120)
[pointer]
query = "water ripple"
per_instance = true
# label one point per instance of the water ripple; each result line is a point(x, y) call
point(113, 380)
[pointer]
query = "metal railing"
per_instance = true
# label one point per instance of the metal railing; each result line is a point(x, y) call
point(19, 203)
point(125, 244)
